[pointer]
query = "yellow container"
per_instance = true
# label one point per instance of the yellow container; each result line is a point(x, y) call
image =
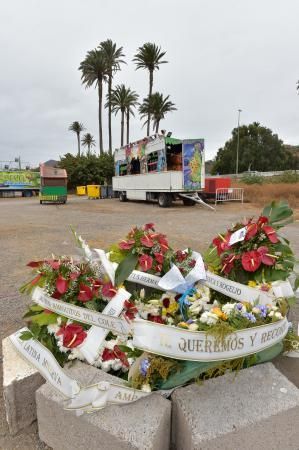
point(81, 190)
point(93, 191)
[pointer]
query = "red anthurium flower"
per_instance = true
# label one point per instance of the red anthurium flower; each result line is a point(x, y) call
point(251, 231)
point(159, 257)
point(251, 261)
point(73, 335)
point(85, 294)
point(163, 244)
point(271, 234)
point(146, 262)
point(158, 268)
point(131, 310)
point(267, 259)
point(180, 256)
point(35, 264)
point(108, 290)
point(108, 354)
point(147, 241)
point(121, 356)
point(56, 295)
point(262, 220)
point(228, 264)
point(148, 226)
point(157, 319)
point(126, 245)
point(222, 243)
point(61, 285)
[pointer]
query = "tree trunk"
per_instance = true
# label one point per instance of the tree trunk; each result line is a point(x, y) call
point(100, 89)
point(157, 126)
point(128, 126)
point(79, 150)
point(149, 95)
point(122, 127)
point(109, 112)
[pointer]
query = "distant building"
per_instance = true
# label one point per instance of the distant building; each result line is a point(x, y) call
point(51, 163)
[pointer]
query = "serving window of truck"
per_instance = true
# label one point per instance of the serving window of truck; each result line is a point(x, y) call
point(160, 168)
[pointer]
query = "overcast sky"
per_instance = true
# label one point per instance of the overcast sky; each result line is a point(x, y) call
point(223, 55)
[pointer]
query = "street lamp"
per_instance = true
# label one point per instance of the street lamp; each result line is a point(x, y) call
point(238, 142)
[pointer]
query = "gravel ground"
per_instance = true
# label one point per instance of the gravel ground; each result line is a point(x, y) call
point(30, 231)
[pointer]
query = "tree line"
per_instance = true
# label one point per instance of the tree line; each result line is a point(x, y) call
point(99, 67)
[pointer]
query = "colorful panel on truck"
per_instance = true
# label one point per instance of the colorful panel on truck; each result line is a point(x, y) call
point(193, 164)
point(20, 177)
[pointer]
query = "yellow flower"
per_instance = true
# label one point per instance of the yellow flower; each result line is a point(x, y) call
point(183, 325)
point(219, 313)
point(251, 283)
point(172, 308)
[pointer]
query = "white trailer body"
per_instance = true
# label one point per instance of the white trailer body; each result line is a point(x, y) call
point(160, 168)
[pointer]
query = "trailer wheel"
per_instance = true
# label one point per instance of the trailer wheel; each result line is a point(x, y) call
point(188, 201)
point(164, 200)
point(122, 197)
point(40, 202)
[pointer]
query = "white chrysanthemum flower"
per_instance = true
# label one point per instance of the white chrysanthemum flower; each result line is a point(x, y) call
point(53, 328)
point(193, 326)
point(146, 388)
point(228, 308)
point(76, 354)
point(209, 318)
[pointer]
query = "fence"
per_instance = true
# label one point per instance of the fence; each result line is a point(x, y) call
point(229, 194)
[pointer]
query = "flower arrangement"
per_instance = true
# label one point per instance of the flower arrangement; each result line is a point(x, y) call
point(251, 253)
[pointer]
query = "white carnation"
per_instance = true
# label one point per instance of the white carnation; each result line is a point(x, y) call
point(209, 318)
point(228, 308)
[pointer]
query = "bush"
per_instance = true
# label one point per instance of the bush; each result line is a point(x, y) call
point(252, 179)
point(89, 169)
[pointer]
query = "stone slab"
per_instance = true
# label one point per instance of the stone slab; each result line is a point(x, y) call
point(20, 382)
point(144, 424)
point(288, 367)
point(258, 409)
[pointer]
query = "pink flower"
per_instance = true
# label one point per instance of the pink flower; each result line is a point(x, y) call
point(251, 261)
point(163, 244)
point(267, 259)
point(126, 245)
point(271, 234)
point(146, 262)
point(146, 241)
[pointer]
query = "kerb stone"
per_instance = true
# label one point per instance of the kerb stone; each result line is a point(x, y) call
point(20, 382)
point(144, 424)
point(257, 409)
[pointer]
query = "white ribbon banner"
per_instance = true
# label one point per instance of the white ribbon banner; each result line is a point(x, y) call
point(92, 344)
point(79, 314)
point(91, 397)
point(183, 344)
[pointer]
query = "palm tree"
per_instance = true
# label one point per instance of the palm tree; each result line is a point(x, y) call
point(113, 60)
point(77, 127)
point(119, 102)
point(132, 102)
point(88, 141)
point(94, 72)
point(149, 57)
point(156, 107)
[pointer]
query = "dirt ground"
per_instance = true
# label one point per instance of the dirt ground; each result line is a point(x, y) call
point(30, 231)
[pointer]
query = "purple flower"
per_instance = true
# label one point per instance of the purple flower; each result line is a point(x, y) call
point(263, 310)
point(250, 317)
point(144, 365)
point(239, 306)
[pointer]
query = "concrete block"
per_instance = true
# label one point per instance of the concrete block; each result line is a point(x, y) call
point(258, 409)
point(144, 424)
point(20, 381)
point(289, 367)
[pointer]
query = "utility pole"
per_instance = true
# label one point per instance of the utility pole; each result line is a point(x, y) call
point(238, 142)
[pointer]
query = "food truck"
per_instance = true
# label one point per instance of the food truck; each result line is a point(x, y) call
point(53, 185)
point(161, 168)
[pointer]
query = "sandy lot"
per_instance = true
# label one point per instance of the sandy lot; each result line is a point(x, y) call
point(30, 231)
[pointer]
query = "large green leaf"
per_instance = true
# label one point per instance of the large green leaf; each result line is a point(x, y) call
point(125, 269)
point(189, 371)
point(44, 319)
point(277, 211)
